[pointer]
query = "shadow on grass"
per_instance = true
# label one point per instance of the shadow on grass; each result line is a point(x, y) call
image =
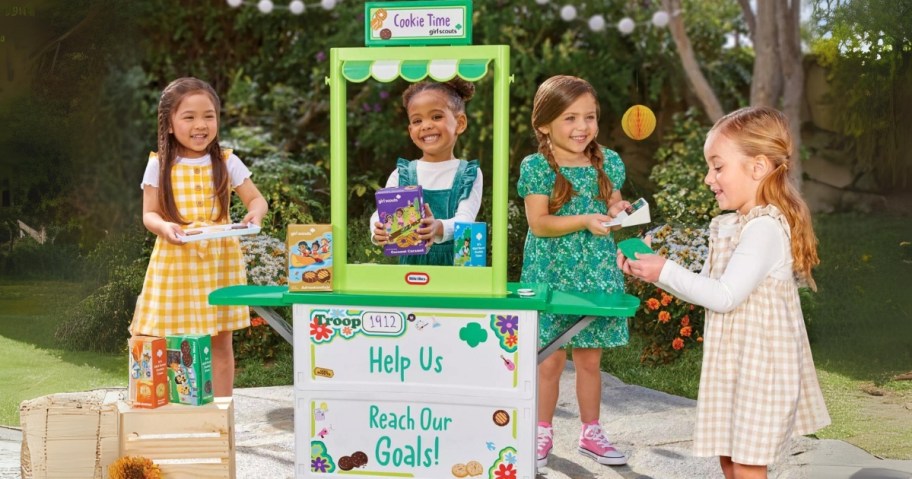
point(30, 312)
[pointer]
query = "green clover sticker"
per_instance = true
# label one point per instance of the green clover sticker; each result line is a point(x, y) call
point(473, 334)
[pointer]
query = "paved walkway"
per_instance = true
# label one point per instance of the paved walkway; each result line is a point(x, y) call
point(653, 428)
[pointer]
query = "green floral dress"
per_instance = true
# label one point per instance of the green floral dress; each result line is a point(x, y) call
point(578, 261)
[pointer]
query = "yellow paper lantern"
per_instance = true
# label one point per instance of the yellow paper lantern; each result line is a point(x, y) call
point(638, 122)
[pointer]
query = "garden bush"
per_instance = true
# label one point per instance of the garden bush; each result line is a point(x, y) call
point(669, 324)
point(681, 197)
point(100, 322)
point(29, 259)
point(684, 207)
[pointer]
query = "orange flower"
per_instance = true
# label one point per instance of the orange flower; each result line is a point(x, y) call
point(664, 316)
point(700, 339)
point(257, 321)
point(666, 299)
point(685, 321)
point(677, 344)
point(652, 304)
point(685, 331)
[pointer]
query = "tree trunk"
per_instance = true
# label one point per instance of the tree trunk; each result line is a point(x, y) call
point(790, 59)
point(695, 78)
point(767, 77)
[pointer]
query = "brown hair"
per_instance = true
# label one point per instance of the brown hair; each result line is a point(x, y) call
point(171, 98)
point(457, 90)
point(765, 131)
point(553, 97)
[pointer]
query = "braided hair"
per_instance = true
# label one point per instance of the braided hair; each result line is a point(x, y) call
point(168, 145)
point(553, 97)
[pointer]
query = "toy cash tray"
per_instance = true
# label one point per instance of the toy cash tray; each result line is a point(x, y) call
point(636, 214)
point(218, 231)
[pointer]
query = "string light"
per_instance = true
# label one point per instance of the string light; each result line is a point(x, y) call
point(597, 22)
point(296, 7)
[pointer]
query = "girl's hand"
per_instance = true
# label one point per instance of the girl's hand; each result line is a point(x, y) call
point(615, 209)
point(381, 237)
point(431, 228)
point(595, 223)
point(171, 232)
point(647, 267)
point(255, 218)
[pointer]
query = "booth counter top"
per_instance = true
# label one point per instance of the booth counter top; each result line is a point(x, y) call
point(543, 299)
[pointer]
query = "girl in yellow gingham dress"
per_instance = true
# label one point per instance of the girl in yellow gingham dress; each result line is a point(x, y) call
point(175, 292)
point(758, 385)
point(188, 184)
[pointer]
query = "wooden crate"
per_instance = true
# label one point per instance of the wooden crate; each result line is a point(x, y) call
point(69, 435)
point(192, 442)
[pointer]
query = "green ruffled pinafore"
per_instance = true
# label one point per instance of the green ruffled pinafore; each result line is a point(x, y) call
point(443, 204)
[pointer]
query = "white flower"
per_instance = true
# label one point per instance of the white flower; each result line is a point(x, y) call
point(266, 260)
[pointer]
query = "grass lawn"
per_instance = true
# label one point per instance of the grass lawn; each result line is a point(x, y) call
point(860, 330)
point(32, 367)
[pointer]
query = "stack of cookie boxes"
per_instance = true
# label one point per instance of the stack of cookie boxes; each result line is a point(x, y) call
point(167, 377)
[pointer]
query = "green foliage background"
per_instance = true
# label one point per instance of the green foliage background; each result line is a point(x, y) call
point(98, 67)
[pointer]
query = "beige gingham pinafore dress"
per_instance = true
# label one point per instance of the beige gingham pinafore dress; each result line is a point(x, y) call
point(758, 386)
point(174, 298)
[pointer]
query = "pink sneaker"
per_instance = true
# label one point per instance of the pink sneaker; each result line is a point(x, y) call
point(545, 440)
point(594, 444)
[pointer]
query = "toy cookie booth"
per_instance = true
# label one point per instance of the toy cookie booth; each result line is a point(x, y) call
point(427, 372)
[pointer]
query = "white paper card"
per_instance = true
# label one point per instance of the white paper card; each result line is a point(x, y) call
point(636, 214)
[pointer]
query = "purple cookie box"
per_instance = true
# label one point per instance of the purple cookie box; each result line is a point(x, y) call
point(403, 207)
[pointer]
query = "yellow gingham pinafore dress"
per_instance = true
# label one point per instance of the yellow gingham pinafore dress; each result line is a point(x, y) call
point(174, 298)
point(758, 385)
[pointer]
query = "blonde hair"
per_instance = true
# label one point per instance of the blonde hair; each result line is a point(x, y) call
point(553, 97)
point(765, 131)
point(171, 98)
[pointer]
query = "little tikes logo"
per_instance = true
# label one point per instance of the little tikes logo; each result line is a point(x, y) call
point(417, 279)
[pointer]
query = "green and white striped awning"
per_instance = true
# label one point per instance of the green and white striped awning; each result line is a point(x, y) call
point(414, 70)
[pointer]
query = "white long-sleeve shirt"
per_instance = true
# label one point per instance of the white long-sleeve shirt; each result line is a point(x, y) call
point(764, 250)
point(439, 176)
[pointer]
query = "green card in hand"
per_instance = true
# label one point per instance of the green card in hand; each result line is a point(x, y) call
point(631, 246)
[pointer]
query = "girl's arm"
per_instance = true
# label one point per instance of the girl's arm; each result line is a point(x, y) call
point(760, 252)
point(254, 201)
point(153, 221)
point(546, 225)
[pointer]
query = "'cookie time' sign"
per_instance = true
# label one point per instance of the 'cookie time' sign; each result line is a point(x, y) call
point(445, 22)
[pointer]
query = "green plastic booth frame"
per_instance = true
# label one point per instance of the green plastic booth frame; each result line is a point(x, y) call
point(415, 64)
point(448, 286)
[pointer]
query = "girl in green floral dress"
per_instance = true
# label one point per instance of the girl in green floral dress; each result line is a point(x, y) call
point(571, 188)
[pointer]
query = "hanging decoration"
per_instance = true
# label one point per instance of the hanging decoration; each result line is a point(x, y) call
point(638, 122)
point(296, 7)
point(597, 22)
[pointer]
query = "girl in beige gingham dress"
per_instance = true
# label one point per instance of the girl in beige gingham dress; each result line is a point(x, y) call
point(758, 385)
point(186, 185)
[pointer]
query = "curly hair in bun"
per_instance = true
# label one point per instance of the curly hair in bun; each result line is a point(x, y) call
point(457, 90)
